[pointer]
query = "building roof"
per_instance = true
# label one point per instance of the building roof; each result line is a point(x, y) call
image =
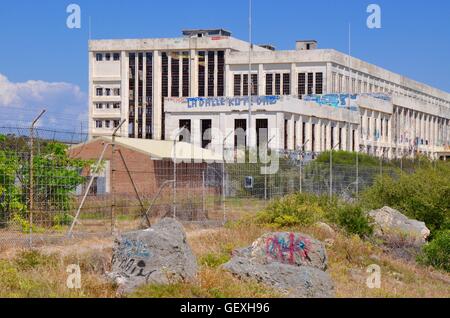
point(164, 149)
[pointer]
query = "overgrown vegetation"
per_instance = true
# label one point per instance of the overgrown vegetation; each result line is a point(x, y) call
point(306, 209)
point(437, 252)
point(55, 178)
point(423, 195)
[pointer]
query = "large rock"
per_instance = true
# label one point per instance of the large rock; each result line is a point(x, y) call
point(288, 248)
point(293, 263)
point(389, 222)
point(294, 281)
point(158, 255)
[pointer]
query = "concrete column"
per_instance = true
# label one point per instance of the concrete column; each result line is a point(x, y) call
point(261, 80)
point(193, 74)
point(294, 79)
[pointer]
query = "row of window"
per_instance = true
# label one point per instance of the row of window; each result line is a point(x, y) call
point(107, 106)
point(362, 84)
point(107, 123)
point(280, 84)
point(100, 91)
point(99, 57)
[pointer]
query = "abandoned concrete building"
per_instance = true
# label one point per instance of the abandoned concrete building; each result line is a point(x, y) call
point(308, 98)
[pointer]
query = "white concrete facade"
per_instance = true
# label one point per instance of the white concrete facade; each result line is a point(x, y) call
point(147, 82)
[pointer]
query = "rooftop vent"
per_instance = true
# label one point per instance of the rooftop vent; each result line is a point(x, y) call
point(200, 33)
point(267, 46)
point(306, 45)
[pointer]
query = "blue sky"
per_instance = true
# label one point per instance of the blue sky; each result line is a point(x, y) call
point(38, 47)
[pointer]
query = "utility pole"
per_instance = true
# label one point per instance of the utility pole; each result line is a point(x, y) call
point(249, 82)
point(31, 174)
point(180, 131)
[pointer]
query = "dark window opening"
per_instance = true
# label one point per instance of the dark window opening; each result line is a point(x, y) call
point(211, 72)
point(301, 85)
point(269, 84)
point(185, 135)
point(240, 131)
point(287, 84)
point(319, 83)
point(221, 73)
point(186, 74)
point(175, 65)
point(262, 126)
point(206, 125)
point(277, 84)
point(310, 83)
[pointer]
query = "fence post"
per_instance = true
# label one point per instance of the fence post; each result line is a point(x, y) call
point(203, 194)
point(31, 174)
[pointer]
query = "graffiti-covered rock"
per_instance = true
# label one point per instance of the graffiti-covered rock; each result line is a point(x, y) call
point(158, 255)
point(388, 222)
point(293, 263)
point(293, 281)
point(288, 248)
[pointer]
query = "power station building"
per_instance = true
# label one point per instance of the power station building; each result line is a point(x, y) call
point(308, 98)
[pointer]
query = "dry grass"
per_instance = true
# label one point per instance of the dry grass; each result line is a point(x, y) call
point(43, 273)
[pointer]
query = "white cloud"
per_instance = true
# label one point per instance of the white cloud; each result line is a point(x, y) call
point(65, 103)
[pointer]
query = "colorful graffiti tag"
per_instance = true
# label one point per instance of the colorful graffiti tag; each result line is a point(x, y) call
point(288, 249)
point(134, 248)
point(209, 102)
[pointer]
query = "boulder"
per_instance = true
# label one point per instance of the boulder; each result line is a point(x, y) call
point(294, 281)
point(325, 229)
point(158, 255)
point(389, 222)
point(293, 263)
point(288, 248)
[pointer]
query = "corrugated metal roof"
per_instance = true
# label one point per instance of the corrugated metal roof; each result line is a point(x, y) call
point(164, 149)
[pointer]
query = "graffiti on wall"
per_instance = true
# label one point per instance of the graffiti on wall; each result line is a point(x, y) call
point(342, 100)
point(210, 102)
point(288, 249)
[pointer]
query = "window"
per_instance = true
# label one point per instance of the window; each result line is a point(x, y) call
point(245, 85)
point(287, 84)
point(108, 91)
point(185, 135)
point(313, 137)
point(206, 125)
point(301, 84)
point(211, 72)
point(107, 124)
point(277, 84)
point(340, 138)
point(175, 74)
point(254, 85)
point(116, 123)
point(99, 91)
point(149, 96)
point(116, 56)
point(262, 126)
point(108, 56)
point(220, 73)
point(99, 57)
point(98, 124)
point(116, 105)
point(237, 85)
point(99, 106)
point(319, 83)
point(108, 106)
point(303, 135)
point(310, 83)
point(240, 131)
point(116, 91)
point(185, 77)
point(269, 84)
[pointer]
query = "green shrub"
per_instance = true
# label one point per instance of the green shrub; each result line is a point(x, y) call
point(437, 252)
point(292, 210)
point(351, 218)
point(423, 195)
point(32, 259)
point(63, 219)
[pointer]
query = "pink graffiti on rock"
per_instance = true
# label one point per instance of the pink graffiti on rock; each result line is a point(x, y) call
point(288, 250)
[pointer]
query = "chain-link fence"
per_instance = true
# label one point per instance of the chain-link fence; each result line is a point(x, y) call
point(46, 195)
